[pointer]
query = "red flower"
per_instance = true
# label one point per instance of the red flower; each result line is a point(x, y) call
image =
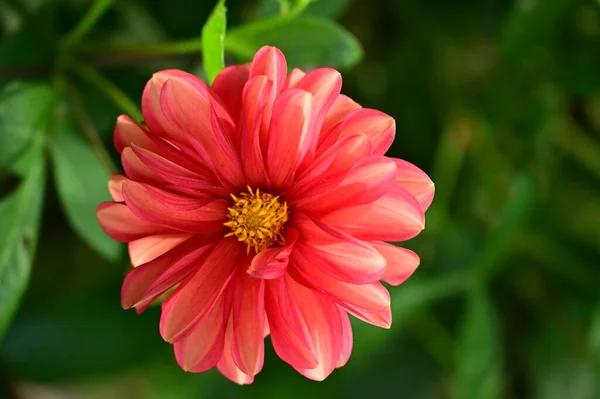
point(265, 200)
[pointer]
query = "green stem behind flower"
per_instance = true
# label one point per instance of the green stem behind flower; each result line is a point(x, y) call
point(87, 23)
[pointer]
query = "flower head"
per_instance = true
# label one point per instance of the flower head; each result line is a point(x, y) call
point(265, 202)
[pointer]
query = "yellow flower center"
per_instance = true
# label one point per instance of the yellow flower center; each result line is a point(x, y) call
point(257, 219)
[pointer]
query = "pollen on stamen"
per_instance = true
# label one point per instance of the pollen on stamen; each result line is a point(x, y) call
point(257, 219)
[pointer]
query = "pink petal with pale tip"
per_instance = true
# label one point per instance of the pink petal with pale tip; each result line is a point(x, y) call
point(367, 181)
point(248, 315)
point(149, 248)
point(291, 135)
point(289, 333)
point(415, 181)
point(188, 105)
point(347, 340)
point(324, 324)
point(196, 296)
point(270, 62)
point(115, 187)
point(136, 170)
point(128, 132)
point(341, 107)
point(202, 348)
point(122, 225)
point(294, 78)
point(396, 216)
point(206, 219)
point(369, 302)
point(324, 84)
point(154, 278)
point(272, 263)
point(401, 262)
point(338, 254)
point(379, 128)
point(226, 365)
point(256, 94)
point(229, 85)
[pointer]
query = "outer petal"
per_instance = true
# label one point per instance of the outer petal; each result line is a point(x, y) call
point(341, 107)
point(128, 132)
point(202, 348)
point(226, 365)
point(401, 262)
point(289, 333)
point(379, 128)
point(290, 135)
point(325, 326)
point(152, 279)
point(415, 181)
point(371, 178)
point(369, 302)
point(188, 105)
point(121, 224)
point(347, 339)
point(248, 315)
point(196, 297)
point(147, 204)
point(270, 62)
point(338, 254)
point(229, 84)
point(272, 263)
point(149, 248)
point(396, 216)
point(115, 187)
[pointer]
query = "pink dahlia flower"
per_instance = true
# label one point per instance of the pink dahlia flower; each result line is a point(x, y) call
point(265, 202)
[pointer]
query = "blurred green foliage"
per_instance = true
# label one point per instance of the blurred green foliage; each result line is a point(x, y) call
point(499, 101)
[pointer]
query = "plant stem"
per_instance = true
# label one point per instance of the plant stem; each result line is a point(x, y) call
point(111, 90)
point(191, 46)
point(87, 23)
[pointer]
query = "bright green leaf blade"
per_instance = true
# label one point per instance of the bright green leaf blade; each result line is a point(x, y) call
point(82, 185)
point(213, 41)
point(306, 41)
point(19, 224)
point(479, 370)
point(24, 109)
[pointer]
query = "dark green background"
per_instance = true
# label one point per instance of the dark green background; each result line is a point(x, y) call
point(499, 101)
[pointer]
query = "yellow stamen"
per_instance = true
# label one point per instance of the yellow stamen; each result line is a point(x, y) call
point(257, 219)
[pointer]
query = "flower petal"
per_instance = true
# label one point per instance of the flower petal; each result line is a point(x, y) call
point(248, 316)
point(379, 128)
point(396, 216)
point(226, 365)
point(115, 187)
point(206, 219)
point(294, 78)
point(347, 339)
point(341, 107)
point(122, 225)
point(291, 135)
point(289, 333)
point(369, 302)
point(196, 296)
point(401, 262)
point(149, 248)
point(324, 324)
point(189, 105)
point(324, 84)
point(367, 181)
point(128, 132)
point(339, 255)
point(229, 84)
point(272, 263)
point(270, 62)
point(202, 348)
point(154, 278)
point(415, 181)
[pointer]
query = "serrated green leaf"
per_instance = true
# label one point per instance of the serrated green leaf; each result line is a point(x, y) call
point(24, 109)
point(479, 366)
point(213, 41)
point(19, 225)
point(306, 41)
point(81, 181)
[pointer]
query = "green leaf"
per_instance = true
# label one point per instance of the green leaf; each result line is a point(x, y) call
point(213, 41)
point(479, 369)
point(82, 184)
point(594, 334)
point(19, 225)
point(306, 41)
point(24, 109)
